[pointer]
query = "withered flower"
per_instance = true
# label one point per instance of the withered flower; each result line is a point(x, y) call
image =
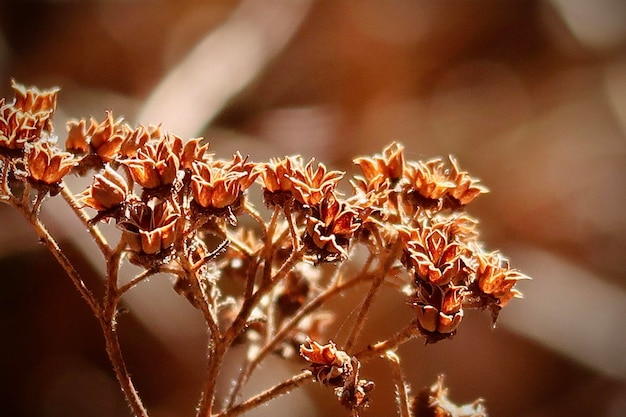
point(214, 187)
point(28, 118)
point(76, 140)
point(328, 363)
point(192, 151)
point(434, 252)
point(275, 174)
point(288, 179)
point(438, 310)
point(388, 167)
point(311, 185)
point(46, 164)
point(495, 282)
point(137, 138)
point(33, 100)
point(220, 187)
point(103, 139)
point(438, 185)
point(330, 228)
point(335, 368)
point(107, 191)
point(150, 228)
point(466, 188)
point(157, 163)
point(429, 179)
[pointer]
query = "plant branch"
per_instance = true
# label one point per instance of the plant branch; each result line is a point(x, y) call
point(280, 389)
point(94, 231)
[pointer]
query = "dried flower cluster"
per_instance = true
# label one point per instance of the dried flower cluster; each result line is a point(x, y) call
point(174, 202)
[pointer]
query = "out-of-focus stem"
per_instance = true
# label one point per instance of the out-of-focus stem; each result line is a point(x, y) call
point(282, 388)
point(367, 303)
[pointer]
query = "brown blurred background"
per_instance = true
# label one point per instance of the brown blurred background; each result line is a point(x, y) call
point(530, 96)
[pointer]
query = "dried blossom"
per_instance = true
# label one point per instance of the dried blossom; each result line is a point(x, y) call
point(107, 192)
point(388, 167)
point(434, 184)
point(288, 179)
point(219, 188)
point(337, 369)
point(435, 252)
point(28, 118)
point(192, 151)
point(34, 101)
point(495, 281)
point(430, 179)
point(157, 163)
point(136, 139)
point(150, 228)
point(330, 228)
point(328, 363)
point(311, 185)
point(275, 175)
point(46, 164)
point(434, 402)
point(438, 310)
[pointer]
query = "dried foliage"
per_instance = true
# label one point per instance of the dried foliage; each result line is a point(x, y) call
point(171, 200)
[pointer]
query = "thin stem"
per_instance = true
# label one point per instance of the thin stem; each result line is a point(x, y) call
point(308, 308)
point(280, 389)
point(94, 231)
point(411, 331)
point(109, 327)
point(292, 228)
point(215, 348)
point(249, 208)
point(114, 352)
point(132, 283)
point(367, 302)
point(51, 244)
point(401, 386)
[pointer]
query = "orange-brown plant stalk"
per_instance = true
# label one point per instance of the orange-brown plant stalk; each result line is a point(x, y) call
point(169, 198)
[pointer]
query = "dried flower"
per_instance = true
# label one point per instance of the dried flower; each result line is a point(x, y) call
point(214, 187)
point(150, 228)
point(388, 167)
point(438, 310)
point(156, 164)
point(288, 179)
point(311, 185)
point(437, 185)
point(107, 191)
point(335, 368)
point(434, 252)
point(330, 228)
point(327, 362)
point(102, 139)
point(28, 118)
point(47, 164)
point(494, 285)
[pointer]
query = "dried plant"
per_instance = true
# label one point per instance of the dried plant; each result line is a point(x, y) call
point(170, 198)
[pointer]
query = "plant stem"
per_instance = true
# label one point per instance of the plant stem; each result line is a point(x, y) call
point(51, 244)
point(282, 388)
point(409, 332)
point(109, 327)
point(94, 231)
point(367, 303)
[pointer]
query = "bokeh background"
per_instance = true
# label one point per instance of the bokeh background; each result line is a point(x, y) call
point(530, 96)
